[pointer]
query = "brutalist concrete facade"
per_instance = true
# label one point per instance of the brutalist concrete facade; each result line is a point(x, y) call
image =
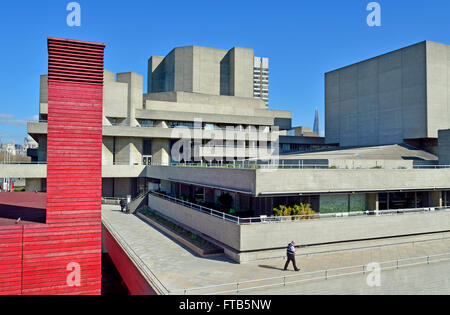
point(401, 96)
point(203, 70)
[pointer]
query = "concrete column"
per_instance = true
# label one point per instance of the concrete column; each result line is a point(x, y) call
point(128, 151)
point(162, 124)
point(373, 203)
point(161, 151)
point(135, 94)
point(436, 199)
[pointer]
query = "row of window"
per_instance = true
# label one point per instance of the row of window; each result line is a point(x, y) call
point(205, 126)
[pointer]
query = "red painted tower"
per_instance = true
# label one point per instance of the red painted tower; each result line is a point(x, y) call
point(63, 256)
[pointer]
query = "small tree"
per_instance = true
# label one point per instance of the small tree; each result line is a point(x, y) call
point(302, 210)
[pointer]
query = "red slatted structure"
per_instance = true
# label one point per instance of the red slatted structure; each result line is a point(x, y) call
point(39, 254)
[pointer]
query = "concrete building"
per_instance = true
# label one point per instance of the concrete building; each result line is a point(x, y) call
point(235, 189)
point(397, 97)
point(261, 79)
point(187, 99)
point(200, 93)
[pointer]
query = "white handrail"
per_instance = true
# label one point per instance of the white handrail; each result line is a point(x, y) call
point(295, 218)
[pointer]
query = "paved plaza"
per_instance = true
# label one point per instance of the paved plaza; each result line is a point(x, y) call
point(178, 268)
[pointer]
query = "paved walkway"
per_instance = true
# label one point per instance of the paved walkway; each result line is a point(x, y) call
point(178, 268)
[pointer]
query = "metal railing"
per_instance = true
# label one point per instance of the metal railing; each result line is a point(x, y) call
point(298, 165)
point(110, 201)
point(326, 274)
point(294, 218)
point(196, 207)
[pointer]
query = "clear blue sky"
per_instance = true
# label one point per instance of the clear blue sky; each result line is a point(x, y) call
point(303, 39)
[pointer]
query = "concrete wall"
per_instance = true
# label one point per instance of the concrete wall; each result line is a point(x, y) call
point(215, 102)
point(43, 95)
point(208, 70)
point(384, 100)
point(134, 83)
point(128, 151)
point(115, 96)
point(292, 181)
point(444, 147)
point(153, 82)
point(33, 184)
point(107, 151)
point(309, 232)
point(203, 70)
point(241, 72)
point(438, 88)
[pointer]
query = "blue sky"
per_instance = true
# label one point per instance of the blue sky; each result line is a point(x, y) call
point(303, 39)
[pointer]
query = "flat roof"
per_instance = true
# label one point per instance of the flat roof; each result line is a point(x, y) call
point(384, 152)
point(30, 207)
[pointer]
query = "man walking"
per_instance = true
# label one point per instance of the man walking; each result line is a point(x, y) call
point(291, 250)
point(123, 205)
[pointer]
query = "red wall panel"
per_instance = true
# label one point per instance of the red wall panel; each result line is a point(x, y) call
point(11, 259)
point(34, 258)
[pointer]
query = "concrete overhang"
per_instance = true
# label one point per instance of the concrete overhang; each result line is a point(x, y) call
point(37, 128)
point(123, 171)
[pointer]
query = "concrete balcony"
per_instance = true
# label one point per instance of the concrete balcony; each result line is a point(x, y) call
point(23, 170)
point(30, 171)
point(123, 171)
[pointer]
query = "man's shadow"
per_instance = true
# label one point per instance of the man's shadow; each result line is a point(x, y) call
point(270, 267)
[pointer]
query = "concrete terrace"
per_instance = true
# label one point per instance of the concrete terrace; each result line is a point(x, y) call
point(177, 268)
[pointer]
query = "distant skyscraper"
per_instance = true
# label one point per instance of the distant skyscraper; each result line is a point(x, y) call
point(316, 127)
point(261, 79)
